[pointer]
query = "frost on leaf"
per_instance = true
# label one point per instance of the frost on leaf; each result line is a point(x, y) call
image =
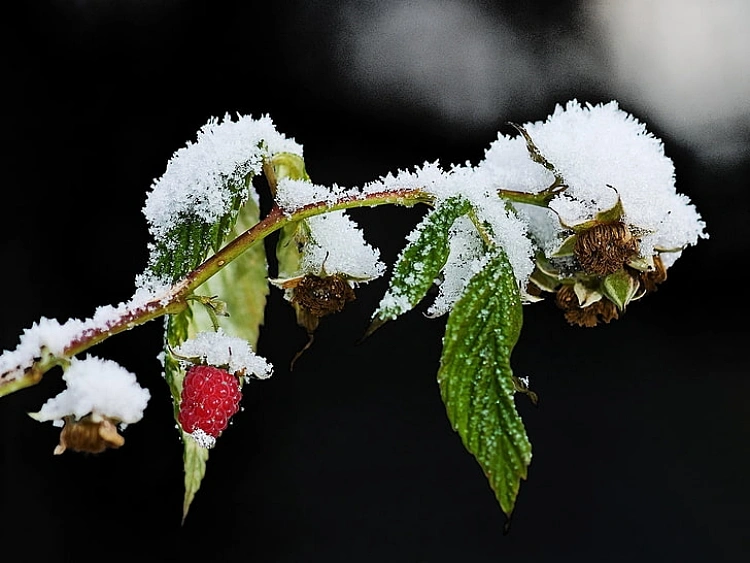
point(499, 223)
point(421, 261)
point(466, 257)
point(476, 380)
point(205, 199)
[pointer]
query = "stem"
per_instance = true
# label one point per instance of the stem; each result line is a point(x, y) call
point(175, 299)
point(540, 199)
point(277, 219)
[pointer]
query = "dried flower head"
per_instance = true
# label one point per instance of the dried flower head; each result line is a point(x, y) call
point(589, 315)
point(100, 396)
point(321, 296)
point(605, 248)
point(91, 434)
point(602, 207)
point(316, 296)
point(653, 276)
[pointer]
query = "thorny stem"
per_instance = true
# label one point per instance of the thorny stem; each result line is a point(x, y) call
point(175, 298)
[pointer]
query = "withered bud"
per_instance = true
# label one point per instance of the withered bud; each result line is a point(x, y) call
point(650, 279)
point(89, 434)
point(591, 315)
point(605, 248)
point(314, 297)
point(321, 296)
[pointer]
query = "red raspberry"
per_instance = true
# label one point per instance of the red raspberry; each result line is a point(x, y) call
point(210, 396)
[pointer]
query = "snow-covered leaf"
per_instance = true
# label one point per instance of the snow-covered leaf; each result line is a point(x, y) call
point(421, 261)
point(189, 242)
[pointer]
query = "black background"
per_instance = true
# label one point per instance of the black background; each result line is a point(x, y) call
point(641, 435)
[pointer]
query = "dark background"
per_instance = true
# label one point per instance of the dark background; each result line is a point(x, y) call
point(641, 435)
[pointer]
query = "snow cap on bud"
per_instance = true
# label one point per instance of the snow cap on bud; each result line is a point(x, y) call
point(337, 246)
point(596, 156)
point(333, 259)
point(321, 259)
point(604, 212)
point(216, 348)
point(100, 395)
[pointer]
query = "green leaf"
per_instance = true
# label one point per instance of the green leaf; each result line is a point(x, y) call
point(293, 235)
point(288, 165)
point(476, 380)
point(292, 239)
point(194, 459)
point(620, 288)
point(421, 261)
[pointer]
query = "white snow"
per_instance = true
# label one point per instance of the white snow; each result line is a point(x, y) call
point(479, 187)
point(98, 387)
point(219, 349)
point(54, 337)
point(466, 258)
point(295, 194)
point(195, 181)
point(337, 246)
point(601, 152)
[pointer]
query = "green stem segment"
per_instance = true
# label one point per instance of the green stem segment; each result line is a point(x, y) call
point(540, 199)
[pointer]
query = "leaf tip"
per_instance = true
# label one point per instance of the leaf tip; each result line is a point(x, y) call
point(506, 526)
point(374, 325)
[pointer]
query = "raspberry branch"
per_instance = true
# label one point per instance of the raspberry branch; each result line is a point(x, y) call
point(28, 364)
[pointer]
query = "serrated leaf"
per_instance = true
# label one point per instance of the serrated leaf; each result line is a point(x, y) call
point(194, 459)
point(189, 243)
point(421, 261)
point(476, 379)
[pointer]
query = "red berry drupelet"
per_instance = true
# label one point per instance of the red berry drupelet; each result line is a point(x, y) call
point(210, 396)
